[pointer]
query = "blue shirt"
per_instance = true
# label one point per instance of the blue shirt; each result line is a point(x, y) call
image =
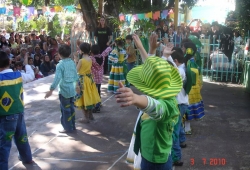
point(66, 77)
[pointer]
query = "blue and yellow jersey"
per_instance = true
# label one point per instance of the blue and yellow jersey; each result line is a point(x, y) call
point(11, 93)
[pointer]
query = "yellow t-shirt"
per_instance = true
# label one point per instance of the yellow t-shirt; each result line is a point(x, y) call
point(131, 54)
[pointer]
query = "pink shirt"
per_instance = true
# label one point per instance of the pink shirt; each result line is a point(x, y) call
point(97, 70)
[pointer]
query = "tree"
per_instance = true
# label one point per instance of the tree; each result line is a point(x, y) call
point(243, 14)
point(113, 8)
point(89, 14)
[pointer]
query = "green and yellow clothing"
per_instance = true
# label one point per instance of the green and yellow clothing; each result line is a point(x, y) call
point(11, 93)
point(154, 129)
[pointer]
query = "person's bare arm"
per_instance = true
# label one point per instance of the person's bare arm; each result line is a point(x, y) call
point(140, 47)
point(95, 39)
point(153, 44)
point(128, 98)
point(110, 39)
point(79, 65)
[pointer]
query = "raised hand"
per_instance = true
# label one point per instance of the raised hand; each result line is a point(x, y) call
point(137, 42)
point(125, 96)
point(153, 42)
point(168, 49)
point(140, 47)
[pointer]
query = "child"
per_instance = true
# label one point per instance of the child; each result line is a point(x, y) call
point(193, 86)
point(11, 114)
point(66, 77)
point(88, 97)
point(119, 70)
point(161, 82)
point(130, 52)
point(182, 99)
point(97, 69)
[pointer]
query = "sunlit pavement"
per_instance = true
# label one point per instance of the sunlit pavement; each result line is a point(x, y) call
point(219, 141)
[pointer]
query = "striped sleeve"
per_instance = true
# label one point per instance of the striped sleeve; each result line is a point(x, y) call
point(113, 56)
point(154, 109)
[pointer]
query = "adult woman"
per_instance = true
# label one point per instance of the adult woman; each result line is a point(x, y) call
point(170, 34)
point(27, 41)
point(53, 48)
point(37, 61)
point(12, 43)
point(42, 44)
point(103, 37)
point(56, 60)
point(18, 40)
point(4, 43)
point(46, 45)
point(46, 67)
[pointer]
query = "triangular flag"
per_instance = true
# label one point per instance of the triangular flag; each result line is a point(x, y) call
point(141, 16)
point(121, 17)
point(3, 10)
point(135, 17)
point(148, 15)
point(17, 11)
point(164, 14)
point(58, 9)
point(30, 10)
point(156, 15)
point(52, 9)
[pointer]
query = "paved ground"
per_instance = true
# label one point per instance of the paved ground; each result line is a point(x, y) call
point(221, 139)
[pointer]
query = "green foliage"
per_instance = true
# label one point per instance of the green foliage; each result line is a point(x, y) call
point(23, 26)
point(68, 26)
point(147, 25)
point(64, 2)
point(190, 3)
point(243, 14)
point(56, 29)
point(34, 24)
point(116, 22)
point(8, 26)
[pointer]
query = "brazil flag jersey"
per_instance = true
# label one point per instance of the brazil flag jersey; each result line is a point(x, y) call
point(11, 93)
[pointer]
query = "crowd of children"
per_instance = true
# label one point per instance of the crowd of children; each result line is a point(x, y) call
point(189, 105)
point(171, 86)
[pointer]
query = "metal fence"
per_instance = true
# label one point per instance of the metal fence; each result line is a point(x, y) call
point(216, 66)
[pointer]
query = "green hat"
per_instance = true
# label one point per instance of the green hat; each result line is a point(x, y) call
point(156, 78)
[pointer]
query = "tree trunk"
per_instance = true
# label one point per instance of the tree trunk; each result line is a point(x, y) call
point(89, 14)
point(112, 8)
point(47, 2)
point(100, 7)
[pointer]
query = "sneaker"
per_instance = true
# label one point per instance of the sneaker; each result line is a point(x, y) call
point(96, 110)
point(177, 163)
point(66, 131)
point(183, 145)
point(28, 162)
point(188, 132)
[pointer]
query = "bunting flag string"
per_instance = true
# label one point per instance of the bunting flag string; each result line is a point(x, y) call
point(149, 15)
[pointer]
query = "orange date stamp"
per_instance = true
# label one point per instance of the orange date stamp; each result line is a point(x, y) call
point(210, 161)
